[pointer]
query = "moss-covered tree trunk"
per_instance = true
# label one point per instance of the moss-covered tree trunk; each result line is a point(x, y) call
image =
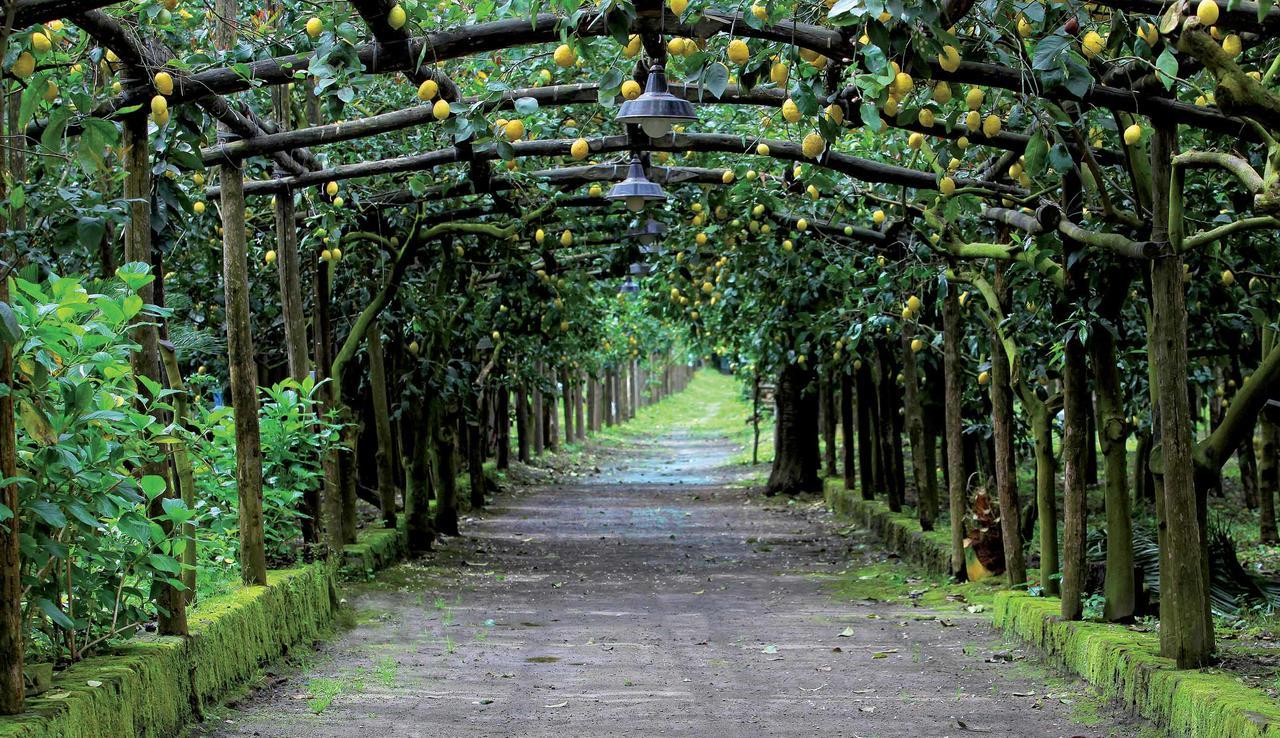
point(1268, 465)
point(1113, 431)
point(382, 426)
point(1186, 629)
point(419, 529)
point(1003, 429)
point(796, 462)
point(1075, 412)
point(12, 691)
point(1046, 495)
point(952, 335)
point(445, 465)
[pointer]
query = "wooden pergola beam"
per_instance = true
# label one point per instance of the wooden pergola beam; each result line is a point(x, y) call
point(852, 166)
point(573, 94)
point(546, 28)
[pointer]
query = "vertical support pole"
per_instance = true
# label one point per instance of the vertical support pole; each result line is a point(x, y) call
point(954, 425)
point(382, 424)
point(12, 689)
point(1186, 632)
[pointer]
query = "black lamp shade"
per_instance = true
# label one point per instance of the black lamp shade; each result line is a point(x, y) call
point(656, 110)
point(636, 189)
point(649, 233)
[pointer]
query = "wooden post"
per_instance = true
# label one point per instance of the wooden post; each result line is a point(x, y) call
point(1003, 432)
point(287, 261)
point(446, 466)
point(954, 425)
point(171, 603)
point(1186, 632)
point(539, 441)
point(567, 390)
point(1075, 411)
point(12, 690)
point(847, 431)
point(827, 414)
point(522, 425)
point(184, 473)
point(593, 410)
point(502, 422)
point(382, 425)
point(925, 479)
point(866, 436)
point(609, 394)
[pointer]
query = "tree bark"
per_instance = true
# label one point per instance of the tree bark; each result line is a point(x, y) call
point(847, 431)
point(1006, 465)
point(1113, 431)
point(593, 404)
point(475, 453)
point(1186, 628)
point(446, 475)
point(954, 423)
point(539, 440)
point(12, 693)
point(1075, 410)
point(1046, 496)
point(522, 425)
point(866, 433)
point(1268, 465)
point(827, 411)
point(418, 489)
point(287, 261)
point(382, 425)
point(796, 462)
point(579, 415)
point(502, 420)
point(567, 400)
point(923, 475)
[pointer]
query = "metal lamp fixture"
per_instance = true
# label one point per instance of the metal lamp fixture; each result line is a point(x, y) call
point(649, 233)
point(628, 286)
point(656, 110)
point(636, 189)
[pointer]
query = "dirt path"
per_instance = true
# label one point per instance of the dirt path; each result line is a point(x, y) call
point(650, 599)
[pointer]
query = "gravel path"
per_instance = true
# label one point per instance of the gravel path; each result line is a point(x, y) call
point(653, 599)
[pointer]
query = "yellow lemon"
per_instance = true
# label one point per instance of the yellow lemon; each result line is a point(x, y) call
point(915, 140)
point(633, 47)
point(514, 130)
point(949, 58)
point(973, 120)
point(1133, 134)
point(802, 225)
point(631, 89)
point(428, 90)
point(1025, 29)
point(198, 207)
point(779, 73)
point(902, 83)
point(925, 117)
point(762, 150)
point(270, 257)
point(835, 113)
point(1093, 44)
point(916, 344)
point(164, 83)
point(565, 56)
point(315, 27)
point(914, 304)
point(984, 378)
point(942, 93)
point(878, 217)
point(974, 97)
point(790, 112)
point(1231, 44)
point(41, 42)
point(947, 186)
point(891, 106)
point(539, 235)
point(678, 6)
point(727, 177)
point(991, 125)
point(1148, 33)
point(759, 11)
point(397, 17)
point(739, 53)
point(962, 143)
point(24, 65)
point(566, 238)
point(579, 149)
point(440, 110)
point(595, 191)
point(1207, 12)
point(331, 189)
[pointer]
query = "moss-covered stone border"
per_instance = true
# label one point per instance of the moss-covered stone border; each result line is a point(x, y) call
point(152, 686)
point(1122, 664)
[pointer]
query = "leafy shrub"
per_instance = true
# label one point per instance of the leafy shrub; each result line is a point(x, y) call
point(89, 548)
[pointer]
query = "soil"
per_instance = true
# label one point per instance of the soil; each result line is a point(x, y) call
point(654, 597)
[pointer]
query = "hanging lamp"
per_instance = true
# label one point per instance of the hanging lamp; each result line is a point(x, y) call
point(636, 189)
point(656, 110)
point(648, 233)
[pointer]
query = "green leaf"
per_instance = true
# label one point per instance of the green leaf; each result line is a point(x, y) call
point(1167, 65)
point(526, 105)
point(1036, 151)
point(152, 486)
point(48, 512)
point(716, 79)
point(164, 563)
point(135, 275)
point(871, 116)
point(48, 608)
point(10, 330)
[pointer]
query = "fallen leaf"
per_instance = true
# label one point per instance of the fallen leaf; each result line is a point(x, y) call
point(846, 633)
point(770, 649)
point(558, 704)
point(94, 683)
